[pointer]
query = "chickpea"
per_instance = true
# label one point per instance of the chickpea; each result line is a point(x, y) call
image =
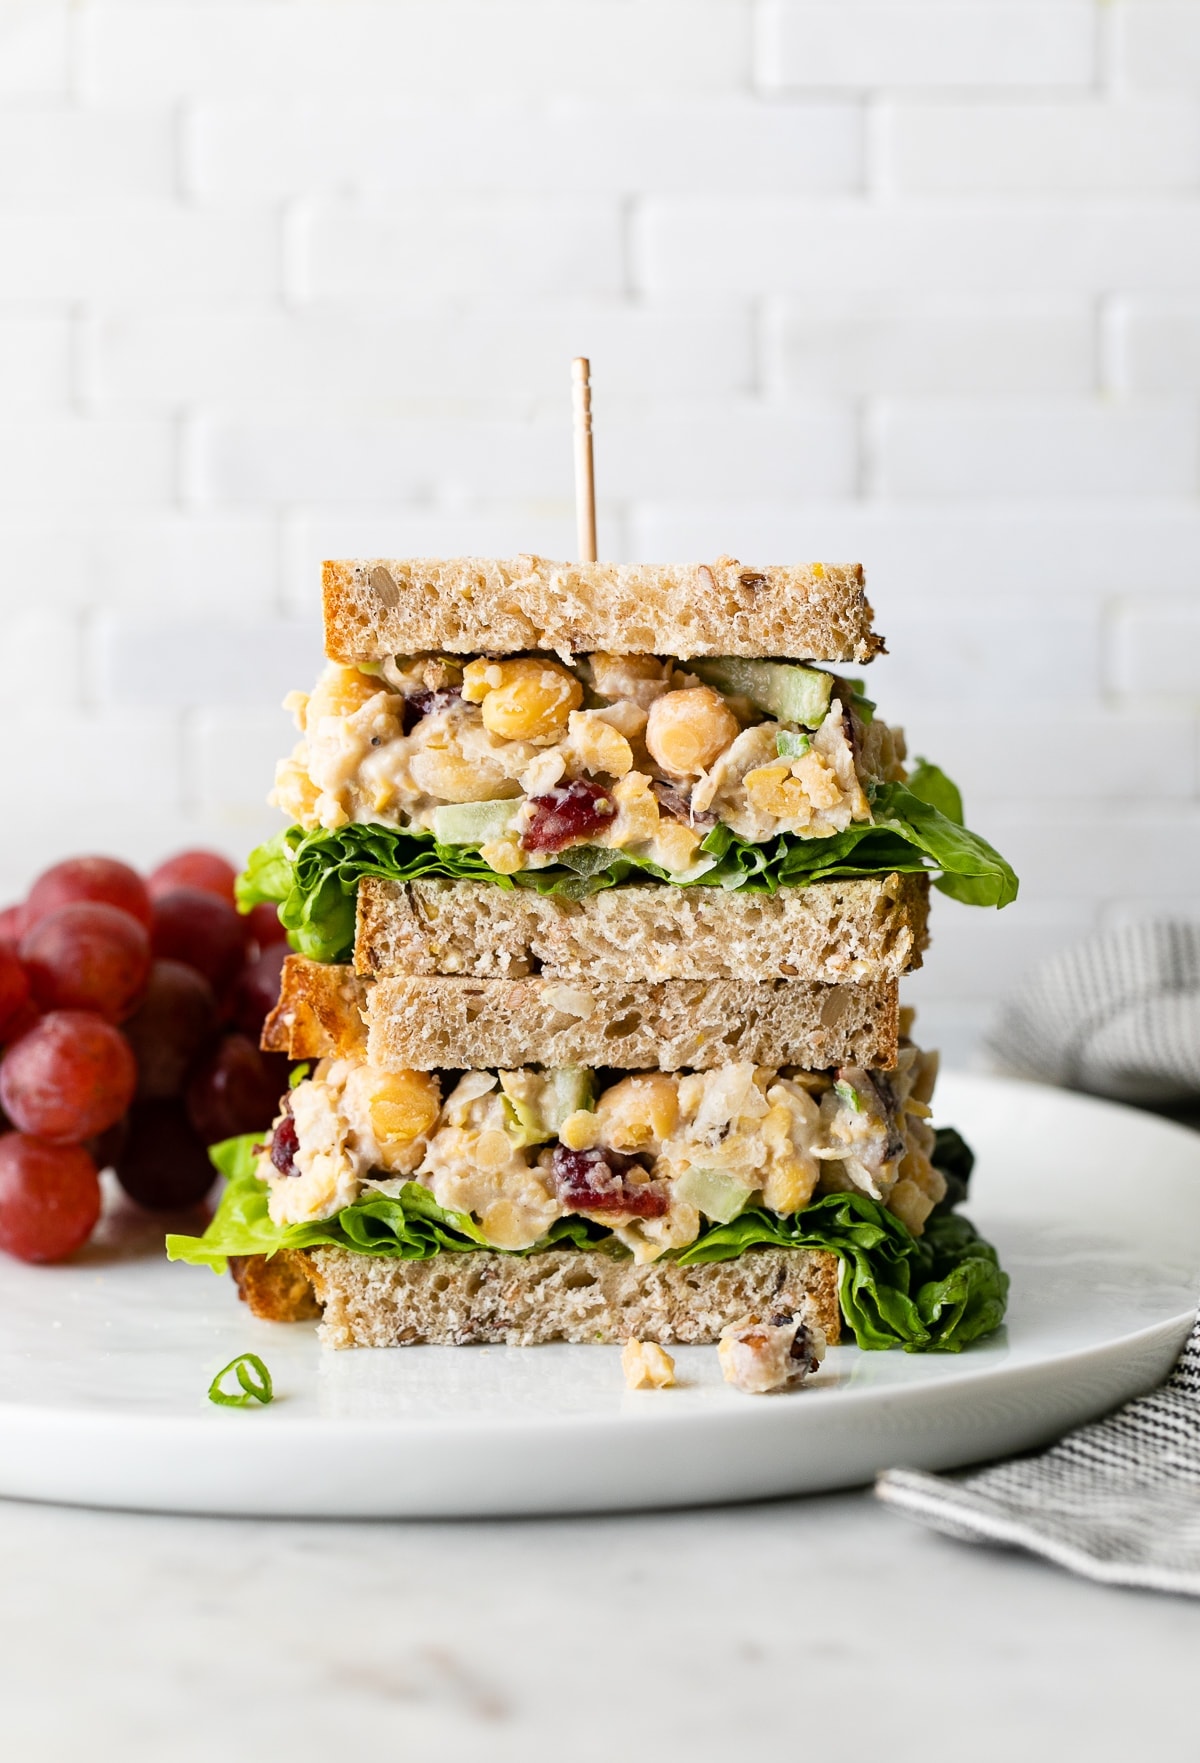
point(480, 677)
point(688, 729)
point(773, 790)
point(639, 678)
point(638, 1113)
point(910, 1205)
point(597, 746)
point(505, 855)
point(580, 1131)
point(402, 1105)
point(647, 1366)
point(527, 699)
point(443, 773)
point(294, 790)
point(340, 691)
point(638, 817)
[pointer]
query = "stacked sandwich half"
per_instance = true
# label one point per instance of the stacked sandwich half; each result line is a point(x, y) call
point(601, 881)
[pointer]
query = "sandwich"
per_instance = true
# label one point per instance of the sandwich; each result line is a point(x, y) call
point(566, 729)
point(601, 881)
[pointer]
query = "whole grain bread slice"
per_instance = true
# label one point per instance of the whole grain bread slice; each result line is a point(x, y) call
point(846, 932)
point(435, 1023)
point(560, 1295)
point(427, 1024)
point(378, 606)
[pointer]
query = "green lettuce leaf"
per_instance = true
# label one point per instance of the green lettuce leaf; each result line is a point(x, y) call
point(935, 1293)
point(930, 784)
point(312, 877)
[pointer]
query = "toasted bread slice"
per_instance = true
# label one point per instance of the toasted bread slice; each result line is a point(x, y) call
point(379, 606)
point(320, 1011)
point(560, 1295)
point(435, 1023)
point(277, 1288)
point(833, 933)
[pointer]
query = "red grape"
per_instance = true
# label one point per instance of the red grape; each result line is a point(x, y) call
point(14, 989)
point(257, 990)
point(263, 926)
point(206, 871)
point(163, 1165)
point(71, 1076)
point(107, 1146)
point(236, 1090)
point(87, 956)
point(49, 1198)
point(12, 925)
point(202, 931)
point(21, 1021)
point(170, 1028)
point(104, 879)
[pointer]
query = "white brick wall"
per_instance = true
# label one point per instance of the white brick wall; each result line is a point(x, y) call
point(572, 146)
point(34, 53)
point(928, 43)
point(914, 281)
point(1090, 146)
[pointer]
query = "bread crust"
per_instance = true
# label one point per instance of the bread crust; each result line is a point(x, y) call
point(380, 606)
point(320, 1011)
point(584, 1296)
point(848, 932)
point(278, 1288)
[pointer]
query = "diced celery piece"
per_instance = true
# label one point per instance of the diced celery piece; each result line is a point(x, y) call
point(783, 689)
point(571, 1089)
point(718, 1195)
point(472, 823)
point(790, 745)
point(523, 1121)
point(537, 1102)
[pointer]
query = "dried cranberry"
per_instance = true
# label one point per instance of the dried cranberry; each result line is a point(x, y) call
point(594, 1181)
point(420, 704)
point(569, 813)
point(285, 1142)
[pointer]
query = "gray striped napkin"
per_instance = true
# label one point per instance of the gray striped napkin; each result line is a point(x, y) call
point(1118, 1014)
point(1118, 1500)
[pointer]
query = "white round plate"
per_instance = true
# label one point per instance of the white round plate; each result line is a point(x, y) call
point(105, 1364)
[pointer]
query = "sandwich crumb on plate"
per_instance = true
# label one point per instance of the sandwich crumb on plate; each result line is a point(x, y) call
point(647, 1366)
point(763, 1353)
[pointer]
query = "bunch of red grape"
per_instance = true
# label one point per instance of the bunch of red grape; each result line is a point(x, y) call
point(130, 1013)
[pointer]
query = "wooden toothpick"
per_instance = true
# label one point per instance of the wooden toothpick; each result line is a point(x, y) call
point(585, 481)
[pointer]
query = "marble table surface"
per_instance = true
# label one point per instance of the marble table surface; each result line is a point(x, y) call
point(791, 1629)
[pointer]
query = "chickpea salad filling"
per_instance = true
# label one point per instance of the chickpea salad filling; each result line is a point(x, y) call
point(648, 1157)
point(525, 757)
point(533, 772)
point(699, 1167)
